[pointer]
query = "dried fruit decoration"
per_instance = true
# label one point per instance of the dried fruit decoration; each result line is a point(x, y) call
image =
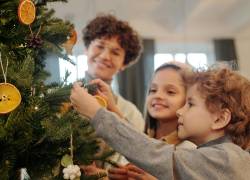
point(10, 97)
point(26, 12)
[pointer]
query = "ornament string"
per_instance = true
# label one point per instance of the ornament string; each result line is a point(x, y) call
point(31, 31)
point(71, 146)
point(71, 143)
point(4, 71)
point(40, 27)
point(32, 34)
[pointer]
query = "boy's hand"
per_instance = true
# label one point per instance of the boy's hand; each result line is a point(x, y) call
point(83, 103)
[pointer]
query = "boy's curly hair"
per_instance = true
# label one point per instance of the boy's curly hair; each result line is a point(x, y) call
point(107, 26)
point(223, 88)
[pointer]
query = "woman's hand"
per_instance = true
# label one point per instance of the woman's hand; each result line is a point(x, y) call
point(105, 91)
point(83, 103)
point(135, 173)
point(118, 173)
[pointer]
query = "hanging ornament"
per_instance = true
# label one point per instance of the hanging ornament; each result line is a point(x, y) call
point(26, 12)
point(65, 107)
point(10, 96)
point(92, 89)
point(68, 45)
point(70, 170)
point(26, 15)
point(101, 101)
point(34, 41)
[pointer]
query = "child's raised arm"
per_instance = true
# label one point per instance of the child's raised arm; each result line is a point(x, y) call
point(217, 161)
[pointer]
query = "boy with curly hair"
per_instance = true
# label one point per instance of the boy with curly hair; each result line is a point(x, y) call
point(215, 117)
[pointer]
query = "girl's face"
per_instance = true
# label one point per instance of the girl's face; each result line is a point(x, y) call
point(195, 121)
point(166, 95)
point(105, 58)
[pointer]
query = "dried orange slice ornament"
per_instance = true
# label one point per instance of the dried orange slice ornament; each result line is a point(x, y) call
point(65, 107)
point(69, 44)
point(73, 37)
point(26, 12)
point(101, 101)
point(10, 98)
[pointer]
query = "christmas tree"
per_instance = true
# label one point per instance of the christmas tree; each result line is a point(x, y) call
point(38, 129)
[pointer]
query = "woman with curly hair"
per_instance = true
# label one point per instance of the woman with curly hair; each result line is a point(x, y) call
point(111, 45)
point(215, 117)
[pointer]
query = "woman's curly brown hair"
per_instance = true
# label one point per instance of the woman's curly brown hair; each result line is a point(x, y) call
point(223, 88)
point(107, 26)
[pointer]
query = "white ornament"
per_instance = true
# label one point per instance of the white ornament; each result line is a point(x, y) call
point(66, 176)
point(71, 172)
point(72, 177)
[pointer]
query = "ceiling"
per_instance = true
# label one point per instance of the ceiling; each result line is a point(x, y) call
point(172, 20)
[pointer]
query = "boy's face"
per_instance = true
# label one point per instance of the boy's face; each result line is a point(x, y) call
point(195, 121)
point(166, 95)
point(105, 58)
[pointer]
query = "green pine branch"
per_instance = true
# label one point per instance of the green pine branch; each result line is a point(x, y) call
point(36, 135)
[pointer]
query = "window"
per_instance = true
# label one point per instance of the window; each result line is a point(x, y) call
point(180, 57)
point(160, 59)
point(82, 66)
point(197, 60)
point(76, 71)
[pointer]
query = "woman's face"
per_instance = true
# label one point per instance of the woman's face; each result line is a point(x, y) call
point(105, 58)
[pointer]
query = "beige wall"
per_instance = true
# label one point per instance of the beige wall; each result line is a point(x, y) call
point(242, 42)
